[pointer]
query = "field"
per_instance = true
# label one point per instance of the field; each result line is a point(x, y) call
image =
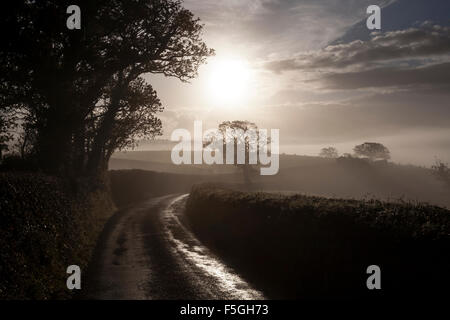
point(343, 178)
point(131, 186)
point(301, 246)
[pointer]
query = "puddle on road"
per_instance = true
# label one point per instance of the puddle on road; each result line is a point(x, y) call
point(192, 250)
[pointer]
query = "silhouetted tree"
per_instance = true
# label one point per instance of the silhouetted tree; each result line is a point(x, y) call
point(243, 135)
point(372, 150)
point(442, 171)
point(82, 89)
point(347, 155)
point(118, 123)
point(329, 152)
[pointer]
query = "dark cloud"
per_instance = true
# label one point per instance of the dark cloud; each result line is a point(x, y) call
point(427, 41)
point(436, 76)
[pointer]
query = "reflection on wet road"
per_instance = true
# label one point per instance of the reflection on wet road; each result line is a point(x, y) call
point(146, 252)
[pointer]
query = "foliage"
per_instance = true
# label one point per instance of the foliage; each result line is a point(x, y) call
point(7, 126)
point(372, 150)
point(442, 171)
point(301, 246)
point(329, 152)
point(238, 135)
point(45, 226)
point(81, 90)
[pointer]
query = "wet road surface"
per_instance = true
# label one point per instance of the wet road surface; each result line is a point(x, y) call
point(146, 252)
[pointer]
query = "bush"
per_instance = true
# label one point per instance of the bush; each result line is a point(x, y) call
point(14, 162)
point(45, 226)
point(301, 246)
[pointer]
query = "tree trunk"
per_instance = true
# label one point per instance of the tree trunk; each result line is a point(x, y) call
point(97, 156)
point(54, 147)
point(247, 171)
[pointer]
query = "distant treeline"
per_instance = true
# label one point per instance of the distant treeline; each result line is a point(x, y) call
point(305, 247)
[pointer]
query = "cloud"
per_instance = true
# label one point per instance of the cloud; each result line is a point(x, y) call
point(394, 84)
point(437, 76)
point(360, 118)
point(424, 42)
point(277, 27)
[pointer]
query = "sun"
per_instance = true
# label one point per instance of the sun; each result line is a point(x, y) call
point(228, 82)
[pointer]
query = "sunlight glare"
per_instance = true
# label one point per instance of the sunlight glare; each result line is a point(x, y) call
point(228, 82)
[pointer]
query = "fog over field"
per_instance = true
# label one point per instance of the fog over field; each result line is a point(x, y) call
point(348, 178)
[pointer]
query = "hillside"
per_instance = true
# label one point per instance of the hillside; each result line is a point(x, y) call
point(345, 178)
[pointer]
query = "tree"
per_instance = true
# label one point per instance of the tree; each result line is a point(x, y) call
point(442, 171)
point(118, 124)
point(372, 150)
point(83, 89)
point(347, 155)
point(5, 137)
point(329, 152)
point(238, 135)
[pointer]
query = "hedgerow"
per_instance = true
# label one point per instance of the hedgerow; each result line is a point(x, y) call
point(45, 226)
point(307, 246)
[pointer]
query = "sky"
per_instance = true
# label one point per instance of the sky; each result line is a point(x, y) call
point(312, 69)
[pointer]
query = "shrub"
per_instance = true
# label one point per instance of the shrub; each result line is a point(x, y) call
point(45, 226)
point(301, 246)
